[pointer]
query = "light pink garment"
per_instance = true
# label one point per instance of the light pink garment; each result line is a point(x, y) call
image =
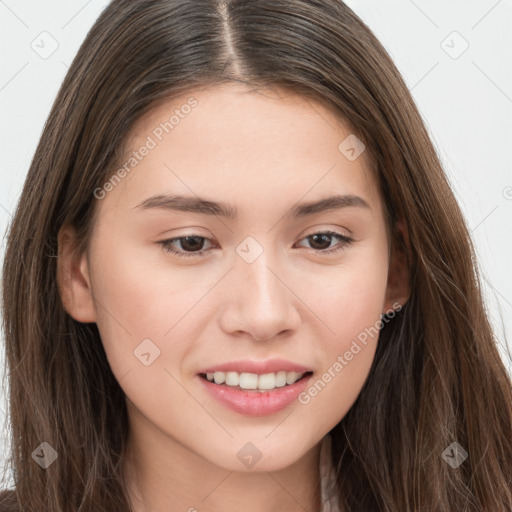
point(327, 477)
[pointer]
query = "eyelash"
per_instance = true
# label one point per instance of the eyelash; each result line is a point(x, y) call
point(166, 244)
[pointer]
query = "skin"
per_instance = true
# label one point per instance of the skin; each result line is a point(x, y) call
point(262, 153)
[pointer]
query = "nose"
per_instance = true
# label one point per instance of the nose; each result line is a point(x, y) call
point(260, 303)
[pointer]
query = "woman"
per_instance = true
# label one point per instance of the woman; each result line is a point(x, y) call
point(237, 276)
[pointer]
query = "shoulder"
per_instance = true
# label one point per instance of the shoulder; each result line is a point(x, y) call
point(8, 501)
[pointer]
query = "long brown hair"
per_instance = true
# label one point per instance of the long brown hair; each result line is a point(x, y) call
point(437, 377)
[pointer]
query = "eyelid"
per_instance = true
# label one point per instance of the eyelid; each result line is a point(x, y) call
point(336, 230)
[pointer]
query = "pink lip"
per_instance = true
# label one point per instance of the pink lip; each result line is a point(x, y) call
point(258, 367)
point(254, 403)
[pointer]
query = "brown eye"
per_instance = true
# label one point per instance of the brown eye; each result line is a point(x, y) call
point(324, 239)
point(190, 245)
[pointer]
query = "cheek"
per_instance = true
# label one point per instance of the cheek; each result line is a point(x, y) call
point(351, 307)
point(141, 322)
point(138, 311)
point(347, 298)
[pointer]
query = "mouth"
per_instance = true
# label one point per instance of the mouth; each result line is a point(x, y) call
point(253, 394)
point(257, 383)
point(255, 387)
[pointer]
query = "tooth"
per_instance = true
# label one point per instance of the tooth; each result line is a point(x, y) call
point(291, 377)
point(232, 378)
point(219, 377)
point(248, 381)
point(280, 379)
point(267, 381)
point(253, 381)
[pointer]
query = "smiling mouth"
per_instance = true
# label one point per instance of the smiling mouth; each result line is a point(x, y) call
point(255, 382)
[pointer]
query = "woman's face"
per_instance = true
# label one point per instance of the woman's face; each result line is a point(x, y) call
point(250, 288)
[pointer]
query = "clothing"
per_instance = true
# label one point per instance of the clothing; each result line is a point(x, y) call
point(328, 478)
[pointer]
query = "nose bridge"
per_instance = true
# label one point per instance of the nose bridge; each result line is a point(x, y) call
point(261, 287)
point(260, 302)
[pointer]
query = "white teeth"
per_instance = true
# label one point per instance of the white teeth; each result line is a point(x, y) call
point(253, 381)
point(248, 381)
point(232, 378)
point(219, 377)
point(267, 381)
point(280, 379)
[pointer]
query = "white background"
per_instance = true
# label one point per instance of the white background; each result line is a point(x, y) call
point(466, 103)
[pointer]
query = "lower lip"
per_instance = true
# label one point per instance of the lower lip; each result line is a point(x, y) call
point(255, 403)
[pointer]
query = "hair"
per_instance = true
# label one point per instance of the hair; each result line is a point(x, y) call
point(437, 376)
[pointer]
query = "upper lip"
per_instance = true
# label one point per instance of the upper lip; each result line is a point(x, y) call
point(258, 367)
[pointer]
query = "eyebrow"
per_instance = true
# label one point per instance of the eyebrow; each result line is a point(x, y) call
point(206, 207)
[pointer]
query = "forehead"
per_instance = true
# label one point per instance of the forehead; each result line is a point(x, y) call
point(237, 144)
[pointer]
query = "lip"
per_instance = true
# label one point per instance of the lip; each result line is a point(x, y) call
point(255, 403)
point(258, 367)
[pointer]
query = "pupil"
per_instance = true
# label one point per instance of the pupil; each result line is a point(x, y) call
point(191, 246)
point(325, 237)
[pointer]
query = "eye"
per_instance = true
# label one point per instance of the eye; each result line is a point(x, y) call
point(191, 245)
point(188, 243)
point(325, 237)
